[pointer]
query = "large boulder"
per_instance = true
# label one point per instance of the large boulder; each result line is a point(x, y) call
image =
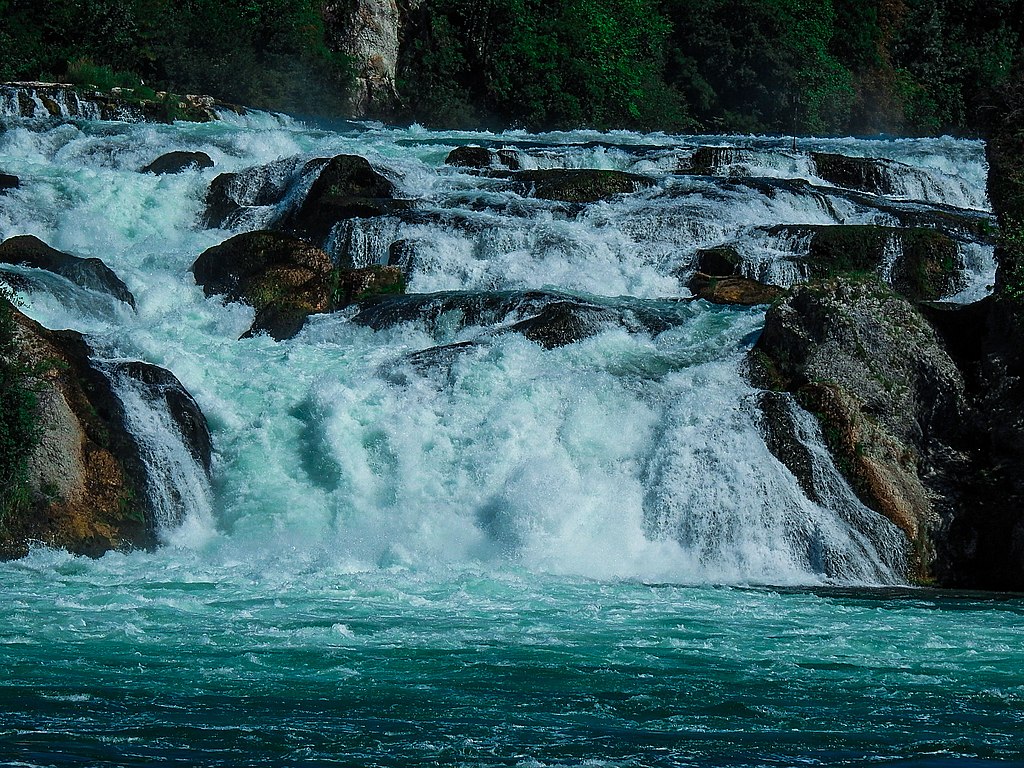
point(919, 262)
point(891, 401)
point(177, 162)
point(286, 279)
point(7, 181)
point(279, 275)
point(580, 185)
point(92, 273)
point(82, 483)
point(232, 194)
point(482, 158)
point(348, 187)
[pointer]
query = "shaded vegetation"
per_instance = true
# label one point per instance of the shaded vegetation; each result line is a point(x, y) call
point(19, 405)
point(264, 53)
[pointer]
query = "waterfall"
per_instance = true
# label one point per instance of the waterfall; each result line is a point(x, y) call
point(448, 433)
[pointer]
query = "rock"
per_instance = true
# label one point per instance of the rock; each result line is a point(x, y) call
point(86, 482)
point(176, 162)
point(30, 251)
point(367, 31)
point(346, 188)
point(60, 100)
point(721, 261)
point(551, 319)
point(470, 157)
point(891, 401)
point(920, 263)
point(482, 158)
point(7, 181)
point(286, 279)
point(162, 385)
point(709, 161)
point(268, 271)
point(232, 194)
point(861, 173)
point(735, 290)
point(580, 186)
point(350, 286)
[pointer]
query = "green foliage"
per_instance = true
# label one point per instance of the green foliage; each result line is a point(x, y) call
point(19, 404)
point(265, 53)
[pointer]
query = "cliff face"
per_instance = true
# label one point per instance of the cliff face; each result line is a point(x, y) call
point(369, 31)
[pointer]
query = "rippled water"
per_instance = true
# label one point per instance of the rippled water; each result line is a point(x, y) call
point(511, 555)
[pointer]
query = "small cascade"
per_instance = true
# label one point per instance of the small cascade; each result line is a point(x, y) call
point(178, 485)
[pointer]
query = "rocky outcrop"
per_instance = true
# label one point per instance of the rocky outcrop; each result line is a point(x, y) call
point(85, 484)
point(367, 31)
point(92, 273)
point(348, 187)
point(60, 100)
point(286, 279)
point(579, 185)
point(176, 162)
point(892, 403)
point(920, 263)
point(719, 261)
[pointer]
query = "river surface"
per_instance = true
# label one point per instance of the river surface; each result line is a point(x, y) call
point(415, 551)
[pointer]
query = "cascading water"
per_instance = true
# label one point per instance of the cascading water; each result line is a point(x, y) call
point(628, 454)
point(429, 538)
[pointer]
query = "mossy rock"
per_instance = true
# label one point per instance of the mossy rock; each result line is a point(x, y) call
point(580, 186)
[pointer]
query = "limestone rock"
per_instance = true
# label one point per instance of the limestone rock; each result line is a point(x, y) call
point(733, 289)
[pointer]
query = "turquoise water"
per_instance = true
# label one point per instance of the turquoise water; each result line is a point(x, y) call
point(160, 659)
point(510, 556)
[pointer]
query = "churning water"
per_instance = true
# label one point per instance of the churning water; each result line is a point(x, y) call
point(489, 553)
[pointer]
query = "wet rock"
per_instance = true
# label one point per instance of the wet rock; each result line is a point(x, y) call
point(580, 186)
point(562, 323)
point(162, 385)
point(280, 276)
point(860, 173)
point(920, 263)
point(720, 261)
point(470, 157)
point(891, 401)
point(735, 290)
point(87, 484)
point(482, 158)
point(709, 161)
point(232, 194)
point(177, 162)
point(7, 181)
point(348, 187)
point(92, 273)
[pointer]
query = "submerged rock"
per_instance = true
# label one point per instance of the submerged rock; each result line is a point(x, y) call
point(482, 158)
point(7, 181)
point(176, 162)
point(580, 186)
point(86, 486)
point(92, 273)
point(890, 399)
